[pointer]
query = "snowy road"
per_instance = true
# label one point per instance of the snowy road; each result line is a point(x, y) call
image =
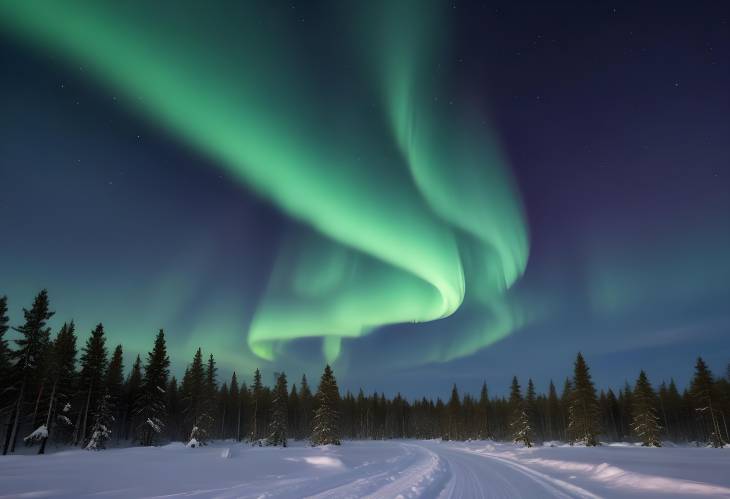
point(381, 469)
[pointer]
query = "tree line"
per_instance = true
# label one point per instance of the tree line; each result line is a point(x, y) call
point(51, 391)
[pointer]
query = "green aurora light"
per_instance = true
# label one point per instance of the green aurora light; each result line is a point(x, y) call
point(407, 208)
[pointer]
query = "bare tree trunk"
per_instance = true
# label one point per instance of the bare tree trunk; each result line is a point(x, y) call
point(16, 420)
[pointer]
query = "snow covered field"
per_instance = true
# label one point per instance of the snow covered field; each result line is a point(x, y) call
point(386, 469)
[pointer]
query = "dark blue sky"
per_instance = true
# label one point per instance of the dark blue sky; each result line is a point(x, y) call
point(614, 119)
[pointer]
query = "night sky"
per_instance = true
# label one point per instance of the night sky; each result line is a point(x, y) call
point(420, 193)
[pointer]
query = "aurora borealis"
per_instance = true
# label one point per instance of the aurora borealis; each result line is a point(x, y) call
point(287, 184)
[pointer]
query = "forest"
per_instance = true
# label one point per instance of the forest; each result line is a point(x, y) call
point(53, 390)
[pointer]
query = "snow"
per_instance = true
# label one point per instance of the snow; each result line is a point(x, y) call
point(382, 469)
point(38, 434)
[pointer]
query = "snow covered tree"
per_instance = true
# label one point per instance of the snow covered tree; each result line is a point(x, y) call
point(702, 390)
point(28, 357)
point(325, 428)
point(62, 376)
point(93, 368)
point(278, 423)
point(101, 427)
point(151, 407)
point(584, 415)
point(645, 424)
point(522, 432)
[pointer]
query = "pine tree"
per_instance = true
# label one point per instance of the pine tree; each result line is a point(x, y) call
point(193, 391)
point(454, 411)
point(93, 368)
point(62, 376)
point(306, 408)
point(173, 409)
point(646, 423)
point(151, 407)
point(114, 384)
point(4, 351)
point(101, 427)
point(257, 390)
point(294, 411)
point(131, 393)
point(484, 430)
point(234, 406)
point(553, 412)
point(522, 432)
point(583, 425)
point(326, 418)
point(531, 405)
point(702, 391)
point(279, 408)
point(30, 352)
point(210, 393)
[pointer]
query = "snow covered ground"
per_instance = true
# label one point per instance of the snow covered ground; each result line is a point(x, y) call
point(388, 469)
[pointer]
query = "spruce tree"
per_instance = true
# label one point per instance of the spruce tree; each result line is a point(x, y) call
point(62, 376)
point(705, 403)
point(151, 407)
point(325, 428)
point(484, 417)
point(194, 392)
point(531, 405)
point(173, 409)
point(114, 384)
point(306, 408)
point(234, 407)
point(453, 415)
point(93, 368)
point(211, 394)
point(257, 395)
point(131, 394)
point(4, 351)
point(279, 412)
point(553, 413)
point(101, 426)
point(646, 422)
point(294, 410)
point(522, 432)
point(31, 349)
point(583, 425)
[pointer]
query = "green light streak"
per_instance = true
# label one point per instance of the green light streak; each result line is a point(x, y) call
point(412, 208)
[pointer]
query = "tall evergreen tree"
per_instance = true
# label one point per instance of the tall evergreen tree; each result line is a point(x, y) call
point(484, 416)
point(646, 422)
point(31, 349)
point(152, 403)
point(584, 416)
point(62, 376)
point(278, 423)
point(326, 428)
point(705, 402)
point(234, 407)
point(194, 404)
point(553, 413)
point(211, 393)
point(114, 384)
point(306, 405)
point(4, 351)
point(93, 368)
point(520, 427)
point(257, 395)
point(453, 416)
point(131, 393)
